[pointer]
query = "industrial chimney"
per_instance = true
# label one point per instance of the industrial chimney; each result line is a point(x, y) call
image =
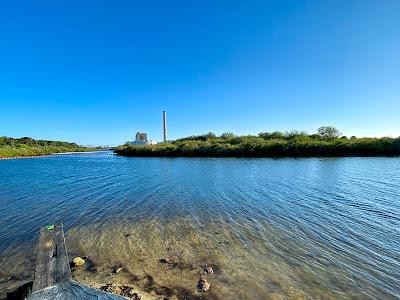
point(165, 125)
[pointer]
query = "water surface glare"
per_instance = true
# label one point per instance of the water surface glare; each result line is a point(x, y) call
point(319, 228)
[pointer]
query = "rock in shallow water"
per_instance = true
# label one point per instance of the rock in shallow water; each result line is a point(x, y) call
point(116, 269)
point(207, 270)
point(78, 262)
point(164, 260)
point(203, 285)
point(122, 290)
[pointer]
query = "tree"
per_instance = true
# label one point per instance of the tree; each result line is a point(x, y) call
point(271, 135)
point(292, 134)
point(329, 132)
point(210, 135)
point(228, 135)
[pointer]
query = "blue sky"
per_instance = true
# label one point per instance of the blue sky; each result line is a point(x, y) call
point(95, 72)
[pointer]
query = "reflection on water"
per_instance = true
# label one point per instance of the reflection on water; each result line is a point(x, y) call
point(271, 229)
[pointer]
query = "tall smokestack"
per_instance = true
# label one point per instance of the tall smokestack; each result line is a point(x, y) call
point(165, 125)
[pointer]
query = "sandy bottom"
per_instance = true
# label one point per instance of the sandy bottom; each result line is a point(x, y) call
point(245, 265)
point(240, 272)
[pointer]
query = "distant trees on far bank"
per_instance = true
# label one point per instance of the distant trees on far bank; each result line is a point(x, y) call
point(9, 141)
point(27, 146)
point(328, 141)
point(324, 132)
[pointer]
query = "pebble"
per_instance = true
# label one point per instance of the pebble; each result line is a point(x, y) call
point(203, 285)
point(125, 291)
point(134, 295)
point(117, 269)
point(207, 270)
point(164, 260)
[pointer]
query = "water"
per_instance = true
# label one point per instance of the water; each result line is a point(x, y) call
point(271, 228)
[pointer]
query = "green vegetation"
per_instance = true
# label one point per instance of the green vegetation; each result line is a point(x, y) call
point(29, 147)
point(327, 142)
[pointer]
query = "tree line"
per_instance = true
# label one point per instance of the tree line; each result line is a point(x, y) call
point(15, 142)
point(27, 146)
point(328, 141)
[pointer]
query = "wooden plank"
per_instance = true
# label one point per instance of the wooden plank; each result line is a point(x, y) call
point(62, 271)
point(72, 291)
point(52, 265)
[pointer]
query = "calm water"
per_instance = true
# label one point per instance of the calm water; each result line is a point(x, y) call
point(271, 228)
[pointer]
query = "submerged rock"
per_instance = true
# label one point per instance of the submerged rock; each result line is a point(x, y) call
point(203, 285)
point(78, 261)
point(116, 269)
point(110, 288)
point(164, 260)
point(90, 265)
point(135, 296)
point(207, 270)
point(121, 290)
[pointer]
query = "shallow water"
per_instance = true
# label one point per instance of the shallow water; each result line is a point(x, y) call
point(271, 228)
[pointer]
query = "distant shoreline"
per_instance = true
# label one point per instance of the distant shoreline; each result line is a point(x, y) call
point(44, 154)
point(27, 147)
point(294, 145)
point(19, 157)
point(51, 154)
point(126, 154)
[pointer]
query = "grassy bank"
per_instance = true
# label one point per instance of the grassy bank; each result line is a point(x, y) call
point(277, 144)
point(29, 147)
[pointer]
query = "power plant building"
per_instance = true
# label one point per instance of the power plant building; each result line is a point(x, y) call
point(141, 139)
point(141, 136)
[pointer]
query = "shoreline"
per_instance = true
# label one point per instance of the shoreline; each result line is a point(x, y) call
point(27, 156)
point(266, 145)
point(252, 146)
point(55, 154)
point(26, 147)
point(253, 156)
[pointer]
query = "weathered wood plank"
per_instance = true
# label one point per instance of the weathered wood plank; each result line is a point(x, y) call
point(62, 270)
point(52, 265)
point(72, 291)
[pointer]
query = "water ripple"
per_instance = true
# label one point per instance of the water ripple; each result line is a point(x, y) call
point(306, 228)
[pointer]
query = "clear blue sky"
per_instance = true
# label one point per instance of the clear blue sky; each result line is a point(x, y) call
point(95, 72)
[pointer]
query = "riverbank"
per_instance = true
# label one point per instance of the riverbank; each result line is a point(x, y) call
point(298, 145)
point(28, 147)
point(16, 153)
point(19, 157)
